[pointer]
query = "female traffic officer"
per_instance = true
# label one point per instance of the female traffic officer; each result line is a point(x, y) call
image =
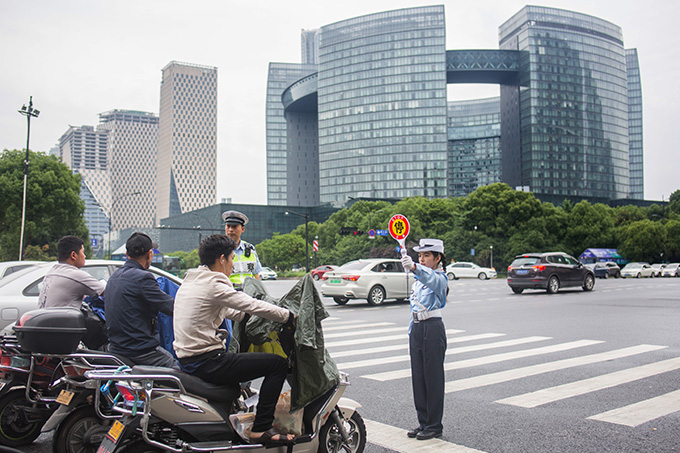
point(427, 337)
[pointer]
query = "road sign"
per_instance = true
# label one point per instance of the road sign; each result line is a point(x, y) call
point(315, 245)
point(399, 227)
point(371, 234)
point(93, 242)
point(382, 232)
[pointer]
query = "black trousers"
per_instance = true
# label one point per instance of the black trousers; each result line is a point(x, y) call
point(226, 368)
point(427, 347)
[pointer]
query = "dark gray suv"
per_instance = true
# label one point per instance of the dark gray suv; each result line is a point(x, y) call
point(549, 271)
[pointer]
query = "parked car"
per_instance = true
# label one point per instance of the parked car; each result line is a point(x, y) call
point(9, 267)
point(637, 270)
point(319, 272)
point(375, 280)
point(599, 270)
point(19, 292)
point(671, 270)
point(613, 268)
point(462, 269)
point(549, 271)
point(268, 274)
point(657, 269)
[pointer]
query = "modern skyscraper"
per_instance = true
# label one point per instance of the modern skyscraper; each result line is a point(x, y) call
point(567, 91)
point(637, 173)
point(84, 150)
point(187, 139)
point(310, 46)
point(284, 168)
point(132, 149)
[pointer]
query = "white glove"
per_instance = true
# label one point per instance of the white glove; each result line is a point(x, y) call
point(407, 262)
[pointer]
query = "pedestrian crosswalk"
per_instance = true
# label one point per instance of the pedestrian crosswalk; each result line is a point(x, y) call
point(381, 354)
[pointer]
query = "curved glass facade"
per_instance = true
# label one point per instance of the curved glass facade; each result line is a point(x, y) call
point(573, 111)
point(382, 106)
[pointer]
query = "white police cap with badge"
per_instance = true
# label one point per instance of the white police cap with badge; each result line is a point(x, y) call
point(234, 218)
point(430, 245)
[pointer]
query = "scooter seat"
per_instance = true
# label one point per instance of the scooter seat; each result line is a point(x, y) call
point(193, 384)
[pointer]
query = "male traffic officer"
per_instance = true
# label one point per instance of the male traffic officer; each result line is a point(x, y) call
point(246, 262)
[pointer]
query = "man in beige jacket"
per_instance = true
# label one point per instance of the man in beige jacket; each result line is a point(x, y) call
point(204, 300)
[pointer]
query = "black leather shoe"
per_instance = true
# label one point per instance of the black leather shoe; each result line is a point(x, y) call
point(414, 432)
point(425, 435)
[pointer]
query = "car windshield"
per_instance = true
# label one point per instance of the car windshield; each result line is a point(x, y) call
point(17, 275)
point(525, 261)
point(633, 266)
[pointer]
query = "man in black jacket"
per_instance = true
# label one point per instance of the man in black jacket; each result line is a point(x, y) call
point(133, 300)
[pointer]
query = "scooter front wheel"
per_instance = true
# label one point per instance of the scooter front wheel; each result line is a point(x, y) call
point(330, 439)
point(15, 429)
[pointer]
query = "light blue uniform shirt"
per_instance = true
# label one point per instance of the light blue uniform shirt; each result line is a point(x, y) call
point(240, 250)
point(428, 291)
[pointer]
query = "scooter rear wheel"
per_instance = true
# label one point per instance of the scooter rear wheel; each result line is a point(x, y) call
point(15, 431)
point(330, 439)
point(80, 432)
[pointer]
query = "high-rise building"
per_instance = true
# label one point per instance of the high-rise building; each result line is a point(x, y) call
point(84, 150)
point(132, 149)
point(310, 46)
point(283, 168)
point(187, 139)
point(474, 157)
point(568, 124)
point(637, 174)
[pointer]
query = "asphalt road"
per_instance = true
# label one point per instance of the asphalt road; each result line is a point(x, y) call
point(574, 371)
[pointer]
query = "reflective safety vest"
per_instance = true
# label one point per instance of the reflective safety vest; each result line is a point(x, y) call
point(244, 266)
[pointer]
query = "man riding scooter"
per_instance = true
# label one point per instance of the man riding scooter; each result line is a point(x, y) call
point(204, 300)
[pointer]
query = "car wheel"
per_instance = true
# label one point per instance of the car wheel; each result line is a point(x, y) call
point(450, 276)
point(652, 275)
point(517, 290)
point(340, 300)
point(618, 275)
point(553, 285)
point(482, 276)
point(589, 282)
point(315, 276)
point(376, 296)
point(606, 275)
point(638, 275)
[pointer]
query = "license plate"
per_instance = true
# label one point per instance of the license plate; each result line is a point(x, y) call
point(65, 397)
point(335, 281)
point(522, 271)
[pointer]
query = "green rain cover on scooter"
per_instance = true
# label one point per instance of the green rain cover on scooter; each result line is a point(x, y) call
point(314, 371)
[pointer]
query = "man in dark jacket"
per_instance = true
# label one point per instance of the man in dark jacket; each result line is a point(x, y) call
point(133, 300)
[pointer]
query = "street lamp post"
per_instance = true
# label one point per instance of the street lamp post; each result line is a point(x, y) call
point(113, 205)
point(491, 258)
point(370, 217)
point(28, 113)
point(306, 217)
point(472, 251)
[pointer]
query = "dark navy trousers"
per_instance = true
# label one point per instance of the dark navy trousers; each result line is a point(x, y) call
point(427, 347)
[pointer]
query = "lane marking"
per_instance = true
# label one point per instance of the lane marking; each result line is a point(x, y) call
point(397, 347)
point(593, 384)
point(335, 327)
point(370, 340)
point(496, 358)
point(372, 331)
point(461, 350)
point(518, 373)
point(642, 412)
point(395, 439)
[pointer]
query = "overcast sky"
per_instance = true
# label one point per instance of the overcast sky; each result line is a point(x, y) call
point(79, 58)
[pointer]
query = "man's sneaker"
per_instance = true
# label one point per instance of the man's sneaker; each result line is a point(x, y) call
point(425, 435)
point(414, 432)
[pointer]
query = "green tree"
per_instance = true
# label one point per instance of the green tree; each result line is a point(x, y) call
point(282, 250)
point(674, 200)
point(672, 248)
point(53, 205)
point(642, 241)
point(589, 226)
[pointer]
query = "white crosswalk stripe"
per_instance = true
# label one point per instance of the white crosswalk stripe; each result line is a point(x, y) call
point(334, 328)
point(461, 350)
point(395, 439)
point(404, 373)
point(561, 392)
point(642, 412)
point(510, 375)
point(371, 340)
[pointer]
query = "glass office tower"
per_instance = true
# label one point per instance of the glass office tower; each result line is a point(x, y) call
point(572, 112)
point(382, 106)
point(474, 156)
point(637, 169)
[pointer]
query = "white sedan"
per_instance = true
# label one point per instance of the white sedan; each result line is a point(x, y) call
point(19, 292)
point(637, 270)
point(463, 269)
